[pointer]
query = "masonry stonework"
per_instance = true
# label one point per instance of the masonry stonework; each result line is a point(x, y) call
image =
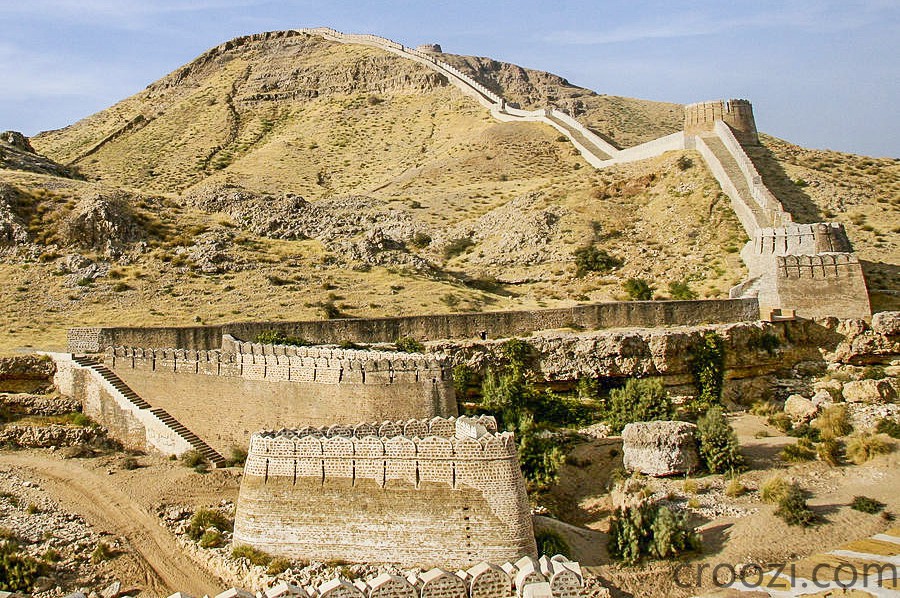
point(737, 114)
point(445, 491)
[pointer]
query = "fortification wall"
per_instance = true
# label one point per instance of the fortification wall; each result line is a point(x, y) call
point(644, 314)
point(737, 114)
point(414, 500)
point(828, 284)
point(651, 149)
point(203, 389)
point(744, 212)
point(135, 428)
point(801, 239)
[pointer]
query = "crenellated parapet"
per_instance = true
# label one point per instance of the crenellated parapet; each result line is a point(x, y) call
point(288, 364)
point(555, 577)
point(416, 492)
point(737, 114)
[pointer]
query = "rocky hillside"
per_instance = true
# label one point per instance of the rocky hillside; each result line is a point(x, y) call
point(282, 176)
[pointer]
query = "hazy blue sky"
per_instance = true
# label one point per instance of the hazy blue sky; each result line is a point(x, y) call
point(820, 73)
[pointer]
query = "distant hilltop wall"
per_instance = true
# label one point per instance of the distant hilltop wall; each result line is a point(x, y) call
point(446, 491)
point(501, 324)
point(737, 114)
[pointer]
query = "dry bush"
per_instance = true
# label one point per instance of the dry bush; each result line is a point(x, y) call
point(865, 446)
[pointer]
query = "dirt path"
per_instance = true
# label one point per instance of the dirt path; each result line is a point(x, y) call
point(163, 566)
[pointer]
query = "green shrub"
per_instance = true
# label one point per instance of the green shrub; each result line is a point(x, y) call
point(638, 401)
point(276, 337)
point(680, 290)
point(211, 538)
point(407, 344)
point(130, 463)
point(735, 488)
point(194, 458)
point(865, 504)
point(539, 456)
point(793, 510)
point(833, 422)
point(781, 421)
point(829, 451)
point(76, 418)
point(649, 530)
point(32, 509)
point(865, 446)
point(255, 556)
point(206, 519)
point(330, 311)
point(684, 163)
point(888, 426)
point(278, 566)
point(719, 446)
point(591, 259)
point(707, 362)
point(551, 543)
point(102, 552)
point(457, 246)
point(238, 456)
point(802, 450)
point(18, 571)
point(773, 489)
point(462, 377)
point(638, 289)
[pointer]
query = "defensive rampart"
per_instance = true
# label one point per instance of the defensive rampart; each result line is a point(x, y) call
point(258, 386)
point(445, 491)
point(502, 324)
point(737, 114)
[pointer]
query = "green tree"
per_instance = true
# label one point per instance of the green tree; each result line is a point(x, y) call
point(639, 400)
point(719, 446)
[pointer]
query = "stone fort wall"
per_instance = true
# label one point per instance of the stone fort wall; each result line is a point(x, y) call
point(283, 386)
point(503, 324)
point(737, 114)
point(446, 491)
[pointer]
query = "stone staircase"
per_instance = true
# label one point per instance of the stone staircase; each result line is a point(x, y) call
point(578, 136)
point(173, 424)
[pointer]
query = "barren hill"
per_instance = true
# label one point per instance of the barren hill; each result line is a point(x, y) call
point(283, 176)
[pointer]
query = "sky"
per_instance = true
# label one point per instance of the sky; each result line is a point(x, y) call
point(822, 74)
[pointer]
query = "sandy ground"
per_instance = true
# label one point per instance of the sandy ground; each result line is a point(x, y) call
point(123, 503)
point(752, 534)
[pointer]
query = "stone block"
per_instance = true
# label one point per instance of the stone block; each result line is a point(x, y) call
point(886, 323)
point(660, 448)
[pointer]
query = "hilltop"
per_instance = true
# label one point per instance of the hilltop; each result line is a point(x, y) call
point(283, 176)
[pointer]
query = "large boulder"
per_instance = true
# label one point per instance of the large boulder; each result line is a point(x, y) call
point(800, 409)
point(660, 448)
point(869, 391)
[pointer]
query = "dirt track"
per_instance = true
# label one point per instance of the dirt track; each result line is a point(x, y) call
point(161, 563)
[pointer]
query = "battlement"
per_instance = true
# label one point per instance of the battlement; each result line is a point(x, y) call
point(416, 492)
point(821, 267)
point(280, 363)
point(802, 239)
point(737, 114)
point(451, 451)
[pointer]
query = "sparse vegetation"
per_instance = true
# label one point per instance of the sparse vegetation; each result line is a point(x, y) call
point(865, 446)
point(708, 369)
point(888, 426)
point(638, 289)
point(205, 519)
point(719, 446)
point(212, 538)
point(639, 400)
point(591, 259)
point(102, 552)
point(194, 459)
point(833, 422)
point(802, 450)
point(456, 246)
point(276, 337)
point(649, 530)
point(793, 510)
point(253, 555)
point(864, 504)
point(774, 489)
point(278, 566)
point(407, 344)
point(551, 543)
point(680, 290)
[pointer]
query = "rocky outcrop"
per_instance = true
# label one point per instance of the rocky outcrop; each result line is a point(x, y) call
point(862, 343)
point(25, 370)
point(16, 153)
point(13, 230)
point(47, 436)
point(103, 222)
point(356, 228)
point(660, 448)
point(800, 409)
point(32, 404)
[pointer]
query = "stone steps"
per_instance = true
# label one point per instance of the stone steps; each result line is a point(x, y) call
point(580, 138)
point(173, 424)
